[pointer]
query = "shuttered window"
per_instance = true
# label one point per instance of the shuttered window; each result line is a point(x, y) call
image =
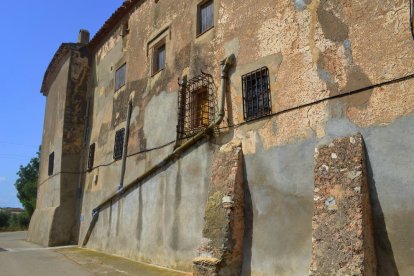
point(120, 76)
point(200, 110)
point(205, 16)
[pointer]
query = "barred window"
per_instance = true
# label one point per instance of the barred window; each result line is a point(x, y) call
point(196, 105)
point(205, 20)
point(159, 58)
point(51, 163)
point(256, 94)
point(91, 156)
point(120, 76)
point(119, 143)
point(200, 114)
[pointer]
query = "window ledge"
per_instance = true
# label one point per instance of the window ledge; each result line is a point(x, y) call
point(206, 31)
point(120, 88)
point(156, 72)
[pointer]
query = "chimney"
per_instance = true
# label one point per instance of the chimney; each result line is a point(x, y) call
point(83, 37)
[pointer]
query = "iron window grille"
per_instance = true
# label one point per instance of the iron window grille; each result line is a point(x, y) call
point(91, 156)
point(120, 76)
point(197, 105)
point(205, 14)
point(119, 143)
point(159, 58)
point(256, 94)
point(51, 163)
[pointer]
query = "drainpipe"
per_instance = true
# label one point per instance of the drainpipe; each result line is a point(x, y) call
point(225, 67)
point(125, 146)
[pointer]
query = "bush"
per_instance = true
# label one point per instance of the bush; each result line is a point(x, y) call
point(4, 219)
point(19, 221)
point(13, 222)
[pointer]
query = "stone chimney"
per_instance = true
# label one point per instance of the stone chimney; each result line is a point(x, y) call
point(83, 37)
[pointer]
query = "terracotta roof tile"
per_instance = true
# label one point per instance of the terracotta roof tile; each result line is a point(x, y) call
point(109, 24)
point(54, 64)
point(64, 48)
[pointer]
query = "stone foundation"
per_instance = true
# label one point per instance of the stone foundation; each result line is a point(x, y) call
point(342, 225)
point(221, 250)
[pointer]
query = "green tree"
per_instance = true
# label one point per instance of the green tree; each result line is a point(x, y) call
point(26, 185)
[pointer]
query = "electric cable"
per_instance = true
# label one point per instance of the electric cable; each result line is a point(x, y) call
point(343, 94)
point(107, 164)
point(412, 17)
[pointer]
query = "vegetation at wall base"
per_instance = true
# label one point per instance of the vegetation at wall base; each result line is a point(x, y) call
point(13, 222)
point(26, 186)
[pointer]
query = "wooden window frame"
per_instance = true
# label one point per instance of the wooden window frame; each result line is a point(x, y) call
point(199, 106)
point(200, 6)
point(117, 76)
point(155, 57)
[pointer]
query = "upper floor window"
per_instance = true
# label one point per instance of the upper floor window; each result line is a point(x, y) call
point(256, 94)
point(120, 76)
point(205, 16)
point(51, 164)
point(119, 143)
point(159, 58)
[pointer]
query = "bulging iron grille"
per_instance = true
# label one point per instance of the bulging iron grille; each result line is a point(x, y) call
point(197, 105)
point(256, 94)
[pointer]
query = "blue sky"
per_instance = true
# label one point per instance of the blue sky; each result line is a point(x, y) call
point(31, 33)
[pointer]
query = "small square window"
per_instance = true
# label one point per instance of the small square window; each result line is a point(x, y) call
point(91, 157)
point(256, 94)
point(120, 76)
point(159, 58)
point(51, 163)
point(205, 20)
point(119, 143)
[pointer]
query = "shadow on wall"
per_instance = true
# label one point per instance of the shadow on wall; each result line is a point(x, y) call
point(385, 256)
point(248, 227)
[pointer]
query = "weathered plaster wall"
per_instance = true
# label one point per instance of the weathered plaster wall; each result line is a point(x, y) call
point(161, 221)
point(56, 215)
point(314, 50)
point(48, 194)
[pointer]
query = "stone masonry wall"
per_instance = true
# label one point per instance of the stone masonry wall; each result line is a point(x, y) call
point(221, 251)
point(342, 237)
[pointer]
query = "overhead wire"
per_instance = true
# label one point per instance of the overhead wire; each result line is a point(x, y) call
point(108, 164)
point(343, 94)
point(412, 17)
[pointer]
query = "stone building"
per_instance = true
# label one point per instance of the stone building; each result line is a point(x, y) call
point(252, 137)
